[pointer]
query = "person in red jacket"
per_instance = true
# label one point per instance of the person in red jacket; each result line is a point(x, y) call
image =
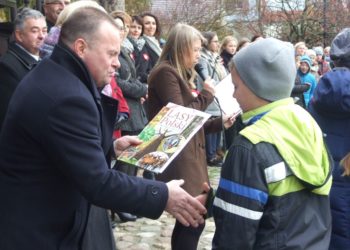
point(113, 90)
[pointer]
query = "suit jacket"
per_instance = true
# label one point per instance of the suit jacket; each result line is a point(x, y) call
point(14, 65)
point(52, 160)
point(165, 85)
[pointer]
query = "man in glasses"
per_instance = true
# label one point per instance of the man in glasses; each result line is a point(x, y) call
point(52, 8)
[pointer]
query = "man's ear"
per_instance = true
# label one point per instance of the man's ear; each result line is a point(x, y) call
point(18, 36)
point(79, 47)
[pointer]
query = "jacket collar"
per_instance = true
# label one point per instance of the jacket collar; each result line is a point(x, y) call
point(106, 105)
point(23, 56)
point(65, 57)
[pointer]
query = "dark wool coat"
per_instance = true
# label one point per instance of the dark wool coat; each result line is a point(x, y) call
point(330, 106)
point(145, 60)
point(14, 65)
point(53, 160)
point(165, 85)
point(132, 90)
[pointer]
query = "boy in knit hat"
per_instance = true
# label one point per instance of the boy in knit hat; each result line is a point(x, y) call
point(306, 77)
point(274, 185)
point(323, 65)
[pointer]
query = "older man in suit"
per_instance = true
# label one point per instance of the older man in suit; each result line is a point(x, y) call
point(53, 149)
point(22, 55)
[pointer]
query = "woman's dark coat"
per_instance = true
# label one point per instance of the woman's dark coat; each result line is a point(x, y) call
point(133, 90)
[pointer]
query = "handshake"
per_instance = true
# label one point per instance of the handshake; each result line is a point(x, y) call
point(185, 208)
point(188, 210)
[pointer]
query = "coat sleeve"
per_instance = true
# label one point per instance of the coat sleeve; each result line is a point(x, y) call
point(132, 88)
point(8, 83)
point(72, 139)
point(240, 200)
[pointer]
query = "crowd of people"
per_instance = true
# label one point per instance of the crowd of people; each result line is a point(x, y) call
point(79, 84)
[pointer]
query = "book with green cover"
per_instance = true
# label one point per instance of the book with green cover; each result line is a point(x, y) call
point(164, 137)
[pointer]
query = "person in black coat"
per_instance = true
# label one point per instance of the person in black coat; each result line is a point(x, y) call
point(134, 91)
point(228, 50)
point(330, 106)
point(54, 143)
point(22, 55)
point(148, 58)
point(298, 92)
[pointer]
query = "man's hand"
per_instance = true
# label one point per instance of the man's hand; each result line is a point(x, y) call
point(124, 142)
point(186, 209)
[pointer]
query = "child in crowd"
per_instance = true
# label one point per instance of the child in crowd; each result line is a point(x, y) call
point(306, 77)
point(228, 49)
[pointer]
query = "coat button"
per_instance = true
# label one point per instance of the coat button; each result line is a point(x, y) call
point(155, 190)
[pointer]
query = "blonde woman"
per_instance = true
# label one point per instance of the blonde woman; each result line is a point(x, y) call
point(213, 68)
point(228, 49)
point(300, 48)
point(172, 81)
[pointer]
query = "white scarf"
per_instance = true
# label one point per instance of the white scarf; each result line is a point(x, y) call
point(154, 44)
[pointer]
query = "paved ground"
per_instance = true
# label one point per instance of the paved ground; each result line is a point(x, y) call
point(146, 234)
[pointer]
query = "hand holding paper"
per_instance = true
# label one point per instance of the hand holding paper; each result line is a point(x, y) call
point(209, 86)
point(224, 94)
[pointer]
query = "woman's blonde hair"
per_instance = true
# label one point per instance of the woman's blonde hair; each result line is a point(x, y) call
point(178, 46)
point(226, 41)
point(299, 44)
point(123, 15)
point(69, 9)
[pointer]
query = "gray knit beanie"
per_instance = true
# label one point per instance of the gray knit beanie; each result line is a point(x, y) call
point(267, 67)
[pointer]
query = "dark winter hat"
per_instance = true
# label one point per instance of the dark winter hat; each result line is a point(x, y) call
point(267, 67)
point(307, 60)
point(340, 48)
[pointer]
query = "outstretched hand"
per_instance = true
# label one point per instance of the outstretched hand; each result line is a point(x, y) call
point(186, 209)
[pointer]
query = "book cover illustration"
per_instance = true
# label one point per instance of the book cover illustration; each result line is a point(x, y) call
point(164, 137)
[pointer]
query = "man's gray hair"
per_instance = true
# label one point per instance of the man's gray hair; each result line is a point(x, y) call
point(24, 14)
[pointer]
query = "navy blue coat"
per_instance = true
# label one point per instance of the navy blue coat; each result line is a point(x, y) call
point(330, 107)
point(14, 65)
point(53, 160)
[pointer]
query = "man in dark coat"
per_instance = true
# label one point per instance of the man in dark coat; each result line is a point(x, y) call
point(330, 106)
point(22, 55)
point(53, 146)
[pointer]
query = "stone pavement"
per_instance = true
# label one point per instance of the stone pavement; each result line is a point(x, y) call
point(146, 234)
